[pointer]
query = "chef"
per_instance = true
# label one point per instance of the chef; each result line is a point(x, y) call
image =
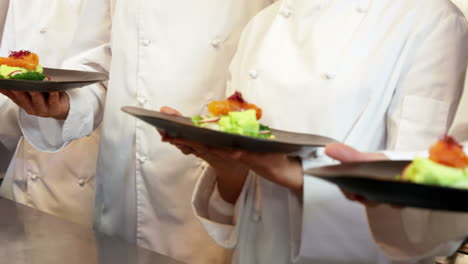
point(157, 52)
point(60, 183)
point(374, 74)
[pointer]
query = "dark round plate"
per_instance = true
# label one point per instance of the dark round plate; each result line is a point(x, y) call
point(182, 127)
point(61, 80)
point(376, 181)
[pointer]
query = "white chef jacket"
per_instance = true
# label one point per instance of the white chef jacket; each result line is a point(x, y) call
point(372, 74)
point(61, 183)
point(172, 53)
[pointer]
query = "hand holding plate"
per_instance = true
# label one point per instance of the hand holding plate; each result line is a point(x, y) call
point(276, 167)
point(346, 154)
point(230, 174)
point(54, 105)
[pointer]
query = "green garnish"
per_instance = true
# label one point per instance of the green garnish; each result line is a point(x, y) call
point(426, 171)
point(30, 75)
point(243, 123)
point(196, 119)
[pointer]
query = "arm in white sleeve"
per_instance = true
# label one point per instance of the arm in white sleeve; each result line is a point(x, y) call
point(427, 94)
point(459, 128)
point(10, 132)
point(91, 51)
point(411, 234)
point(220, 219)
point(3, 14)
point(422, 110)
point(317, 208)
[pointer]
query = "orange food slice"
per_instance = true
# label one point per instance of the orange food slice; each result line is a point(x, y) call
point(448, 152)
point(234, 103)
point(22, 59)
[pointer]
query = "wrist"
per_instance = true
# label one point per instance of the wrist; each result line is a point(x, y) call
point(295, 175)
point(64, 106)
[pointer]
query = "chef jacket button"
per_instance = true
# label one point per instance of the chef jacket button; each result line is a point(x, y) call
point(253, 74)
point(285, 12)
point(142, 159)
point(361, 10)
point(43, 30)
point(216, 43)
point(329, 76)
point(142, 101)
point(146, 42)
point(257, 218)
point(82, 182)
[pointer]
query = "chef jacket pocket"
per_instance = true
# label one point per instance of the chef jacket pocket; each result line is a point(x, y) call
point(423, 120)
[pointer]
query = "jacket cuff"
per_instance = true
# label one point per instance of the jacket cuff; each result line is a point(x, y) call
point(52, 135)
point(413, 235)
point(326, 218)
point(226, 235)
point(44, 134)
point(219, 210)
point(393, 155)
point(10, 132)
point(79, 122)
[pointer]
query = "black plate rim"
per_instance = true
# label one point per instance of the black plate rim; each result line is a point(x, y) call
point(385, 189)
point(128, 110)
point(103, 77)
point(309, 173)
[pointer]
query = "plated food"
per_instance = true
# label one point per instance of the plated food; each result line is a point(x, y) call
point(439, 182)
point(186, 128)
point(22, 71)
point(447, 166)
point(22, 65)
point(235, 116)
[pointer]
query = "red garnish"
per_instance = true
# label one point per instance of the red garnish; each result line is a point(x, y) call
point(13, 73)
point(451, 141)
point(19, 54)
point(21, 59)
point(47, 77)
point(210, 120)
point(237, 96)
point(447, 151)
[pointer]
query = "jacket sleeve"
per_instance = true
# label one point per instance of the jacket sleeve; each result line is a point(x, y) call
point(221, 220)
point(422, 110)
point(430, 86)
point(10, 132)
point(459, 128)
point(412, 235)
point(317, 208)
point(90, 51)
